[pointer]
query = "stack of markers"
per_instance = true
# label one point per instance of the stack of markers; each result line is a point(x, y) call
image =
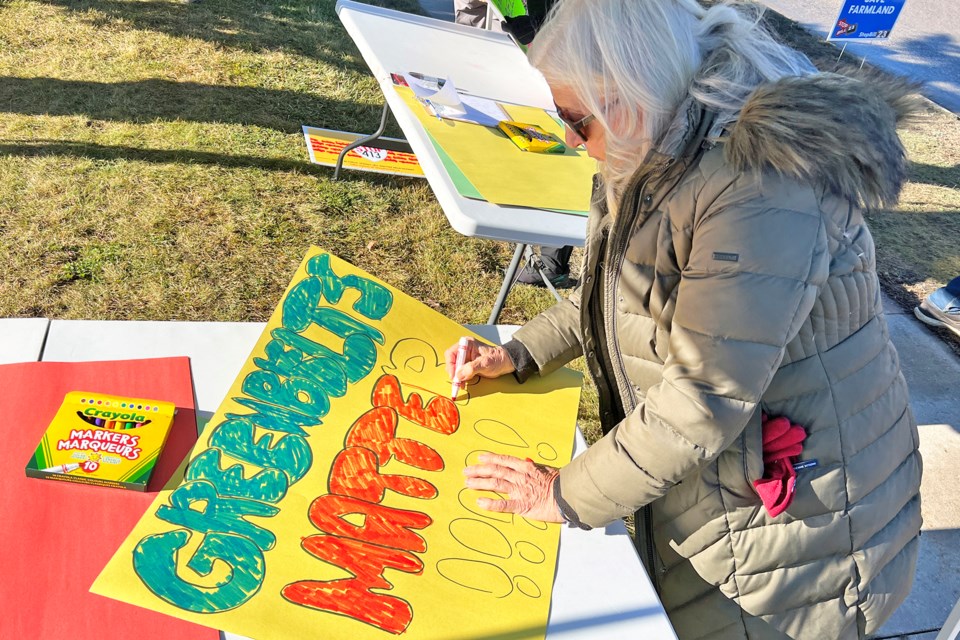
point(87, 435)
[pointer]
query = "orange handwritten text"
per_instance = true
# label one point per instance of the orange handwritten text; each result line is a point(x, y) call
point(387, 537)
point(353, 596)
point(440, 415)
point(356, 473)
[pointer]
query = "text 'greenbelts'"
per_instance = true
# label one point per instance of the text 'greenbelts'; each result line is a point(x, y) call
point(289, 392)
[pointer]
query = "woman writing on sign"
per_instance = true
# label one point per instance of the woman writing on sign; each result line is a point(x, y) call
point(753, 410)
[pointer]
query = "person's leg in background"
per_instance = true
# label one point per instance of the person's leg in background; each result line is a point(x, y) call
point(556, 266)
point(942, 307)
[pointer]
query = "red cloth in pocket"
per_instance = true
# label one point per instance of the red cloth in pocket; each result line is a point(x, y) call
point(782, 442)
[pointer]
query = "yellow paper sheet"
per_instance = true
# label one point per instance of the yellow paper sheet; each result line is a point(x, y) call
point(325, 498)
point(501, 171)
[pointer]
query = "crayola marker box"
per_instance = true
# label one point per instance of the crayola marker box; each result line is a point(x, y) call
point(103, 440)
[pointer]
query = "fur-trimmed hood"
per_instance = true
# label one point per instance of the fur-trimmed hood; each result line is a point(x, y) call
point(835, 130)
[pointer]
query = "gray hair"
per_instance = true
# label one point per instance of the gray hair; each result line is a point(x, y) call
point(653, 55)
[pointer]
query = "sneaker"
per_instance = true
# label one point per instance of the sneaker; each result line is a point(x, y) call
point(941, 308)
point(529, 275)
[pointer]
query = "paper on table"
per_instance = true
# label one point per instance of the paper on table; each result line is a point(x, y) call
point(57, 536)
point(443, 99)
point(466, 189)
point(442, 92)
point(504, 174)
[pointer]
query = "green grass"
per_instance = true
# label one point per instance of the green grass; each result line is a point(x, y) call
point(153, 155)
point(152, 167)
point(917, 243)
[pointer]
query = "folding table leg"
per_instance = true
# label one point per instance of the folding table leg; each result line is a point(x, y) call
point(951, 628)
point(362, 141)
point(523, 250)
point(507, 283)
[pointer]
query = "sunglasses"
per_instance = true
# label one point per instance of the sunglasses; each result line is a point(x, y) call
point(579, 127)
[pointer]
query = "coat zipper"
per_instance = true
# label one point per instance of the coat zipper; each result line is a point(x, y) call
point(610, 325)
point(618, 254)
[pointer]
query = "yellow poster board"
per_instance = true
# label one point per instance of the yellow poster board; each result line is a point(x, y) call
point(385, 155)
point(326, 496)
point(502, 172)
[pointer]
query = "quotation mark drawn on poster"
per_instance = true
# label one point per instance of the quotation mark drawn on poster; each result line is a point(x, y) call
point(418, 364)
point(484, 538)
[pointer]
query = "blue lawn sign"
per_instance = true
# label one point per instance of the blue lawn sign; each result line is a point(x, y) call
point(866, 19)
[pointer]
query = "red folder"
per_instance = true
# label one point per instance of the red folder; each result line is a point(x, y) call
point(55, 537)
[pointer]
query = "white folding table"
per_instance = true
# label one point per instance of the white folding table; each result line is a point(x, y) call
point(601, 589)
point(479, 62)
point(21, 339)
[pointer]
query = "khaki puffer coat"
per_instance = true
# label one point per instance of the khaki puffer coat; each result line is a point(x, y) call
point(737, 278)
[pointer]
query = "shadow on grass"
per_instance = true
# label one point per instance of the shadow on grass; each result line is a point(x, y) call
point(41, 148)
point(948, 177)
point(305, 27)
point(146, 101)
point(309, 28)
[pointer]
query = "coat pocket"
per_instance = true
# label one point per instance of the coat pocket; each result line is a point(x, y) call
point(742, 463)
point(753, 450)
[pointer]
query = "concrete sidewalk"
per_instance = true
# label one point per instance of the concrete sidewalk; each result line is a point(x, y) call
point(933, 373)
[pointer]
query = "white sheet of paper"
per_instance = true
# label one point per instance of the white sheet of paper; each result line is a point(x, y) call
point(442, 98)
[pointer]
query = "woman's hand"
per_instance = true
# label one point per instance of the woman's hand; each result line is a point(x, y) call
point(482, 360)
point(529, 485)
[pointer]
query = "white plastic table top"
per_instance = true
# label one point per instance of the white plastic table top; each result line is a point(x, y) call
point(21, 339)
point(217, 351)
point(479, 62)
point(600, 590)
